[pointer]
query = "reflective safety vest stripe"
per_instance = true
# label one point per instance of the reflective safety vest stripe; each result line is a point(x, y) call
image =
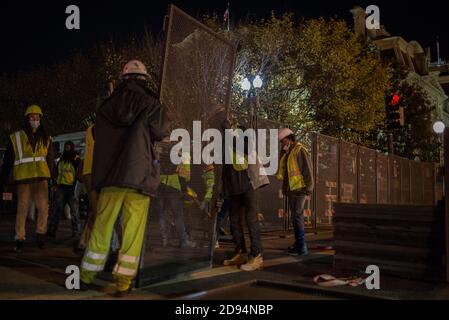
point(88, 152)
point(66, 173)
point(29, 163)
point(295, 178)
point(209, 181)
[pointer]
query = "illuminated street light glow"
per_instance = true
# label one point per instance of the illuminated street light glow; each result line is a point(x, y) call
point(245, 84)
point(257, 82)
point(439, 127)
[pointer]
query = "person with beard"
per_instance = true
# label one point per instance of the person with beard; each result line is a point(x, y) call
point(65, 191)
point(29, 157)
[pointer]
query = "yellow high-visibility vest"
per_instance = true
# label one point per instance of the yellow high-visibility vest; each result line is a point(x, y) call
point(295, 177)
point(29, 164)
point(209, 181)
point(66, 173)
point(88, 152)
point(182, 171)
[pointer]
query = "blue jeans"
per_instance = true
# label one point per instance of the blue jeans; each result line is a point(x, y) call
point(296, 203)
point(64, 195)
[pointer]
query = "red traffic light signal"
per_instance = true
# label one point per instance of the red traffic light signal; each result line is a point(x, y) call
point(395, 113)
point(395, 100)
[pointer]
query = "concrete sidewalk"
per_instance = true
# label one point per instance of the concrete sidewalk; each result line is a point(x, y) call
point(39, 275)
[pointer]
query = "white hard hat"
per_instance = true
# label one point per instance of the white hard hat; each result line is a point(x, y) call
point(134, 67)
point(284, 133)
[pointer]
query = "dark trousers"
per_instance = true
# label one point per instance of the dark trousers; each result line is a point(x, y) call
point(63, 196)
point(296, 203)
point(244, 206)
point(221, 216)
point(170, 202)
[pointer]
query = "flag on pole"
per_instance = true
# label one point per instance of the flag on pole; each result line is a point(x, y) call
point(226, 16)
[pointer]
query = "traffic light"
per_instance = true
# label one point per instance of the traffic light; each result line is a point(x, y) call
point(395, 113)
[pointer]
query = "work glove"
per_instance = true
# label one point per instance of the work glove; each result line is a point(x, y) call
point(204, 205)
point(280, 194)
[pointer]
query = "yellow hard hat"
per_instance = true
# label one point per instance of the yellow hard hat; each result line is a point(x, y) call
point(33, 109)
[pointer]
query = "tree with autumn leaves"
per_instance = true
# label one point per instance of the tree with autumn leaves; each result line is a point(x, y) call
point(318, 76)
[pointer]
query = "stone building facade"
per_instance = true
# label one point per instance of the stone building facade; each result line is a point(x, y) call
point(413, 57)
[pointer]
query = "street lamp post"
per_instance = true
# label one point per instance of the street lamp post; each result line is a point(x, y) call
point(440, 129)
point(253, 87)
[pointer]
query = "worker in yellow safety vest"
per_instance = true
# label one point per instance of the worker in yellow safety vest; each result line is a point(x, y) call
point(171, 193)
point(65, 191)
point(295, 172)
point(29, 157)
point(125, 173)
point(241, 179)
point(92, 194)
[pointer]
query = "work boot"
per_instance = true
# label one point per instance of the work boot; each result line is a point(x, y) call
point(298, 251)
point(122, 293)
point(237, 260)
point(41, 241)
point(223, 232)
point(19, 246)
point(187, 244)
point(51, 236)
point(84, 286)
point(253, 264)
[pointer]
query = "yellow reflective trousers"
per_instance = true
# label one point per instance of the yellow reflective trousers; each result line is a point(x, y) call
point(134, 206)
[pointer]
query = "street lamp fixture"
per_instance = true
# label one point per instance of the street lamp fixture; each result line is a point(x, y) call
point(439, 127)
point(245, 84)
point(257, 82)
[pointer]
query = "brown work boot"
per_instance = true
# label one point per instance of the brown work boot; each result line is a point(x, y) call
point(254, 263)
point(237, 260)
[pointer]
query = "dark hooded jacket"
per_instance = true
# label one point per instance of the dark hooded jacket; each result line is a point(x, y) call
point(128, 124)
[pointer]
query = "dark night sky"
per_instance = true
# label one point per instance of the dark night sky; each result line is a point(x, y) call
point(33, 33)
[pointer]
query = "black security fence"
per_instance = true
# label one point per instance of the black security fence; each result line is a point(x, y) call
point(349, 173)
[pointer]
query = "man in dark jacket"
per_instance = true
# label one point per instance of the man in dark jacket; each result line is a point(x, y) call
point(240, 183)
point(125, 172)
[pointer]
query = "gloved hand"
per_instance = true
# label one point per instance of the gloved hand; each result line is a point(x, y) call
point(186, 197)
point(280, 194)
point(204, 204)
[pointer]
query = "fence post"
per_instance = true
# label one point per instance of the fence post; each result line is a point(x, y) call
point(376, 176)
point(410, 177)
point(446, 198)
point(339, 144)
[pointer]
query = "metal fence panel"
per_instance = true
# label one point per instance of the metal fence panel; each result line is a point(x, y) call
point(326, 178)
point(272, 215)
point(382, 178)
point(416, 182)
point(348, 172)
point(367, 176)
point(395, 179)
point(428, 170)
point(195, 86)
point(405, 181)
point(438, 183)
